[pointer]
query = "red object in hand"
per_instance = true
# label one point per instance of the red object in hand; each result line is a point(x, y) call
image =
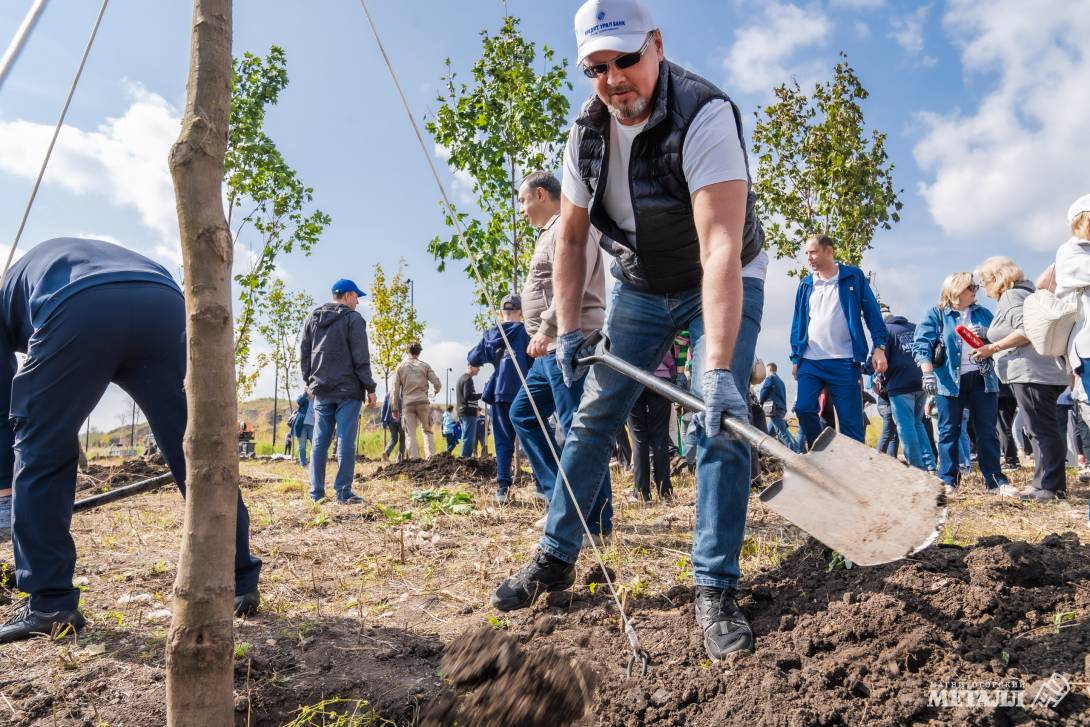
point(969, 337)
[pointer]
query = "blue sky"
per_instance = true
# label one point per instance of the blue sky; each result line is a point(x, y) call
point(986, 106)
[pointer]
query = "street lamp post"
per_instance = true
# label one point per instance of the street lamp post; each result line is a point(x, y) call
point(412, 292)
point(449, 369)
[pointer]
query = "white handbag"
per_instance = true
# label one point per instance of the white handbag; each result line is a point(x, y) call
point(1047, 321)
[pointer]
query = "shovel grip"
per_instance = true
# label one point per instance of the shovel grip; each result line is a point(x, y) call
point(591, 340)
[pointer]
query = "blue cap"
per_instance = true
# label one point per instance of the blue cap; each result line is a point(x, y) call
point(344, 285)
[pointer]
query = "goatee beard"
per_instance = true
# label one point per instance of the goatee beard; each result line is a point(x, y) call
point(623, 112)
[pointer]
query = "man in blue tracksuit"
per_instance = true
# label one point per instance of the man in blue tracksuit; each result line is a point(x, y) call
point(303, 426)
point(773, 390)
point(504, 384)
point(828, 341)
point(86, 313)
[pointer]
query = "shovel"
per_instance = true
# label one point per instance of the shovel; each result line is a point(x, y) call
point(865, 505)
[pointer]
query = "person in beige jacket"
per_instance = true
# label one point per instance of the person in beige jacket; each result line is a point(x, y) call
point(410, 394)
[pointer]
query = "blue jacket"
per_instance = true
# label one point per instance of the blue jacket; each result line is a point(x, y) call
point(942, 322)
point(504, 384)
point(773, 390)
point(859, 305)
point(903, 375)
point(299, 418)
point(387, 415)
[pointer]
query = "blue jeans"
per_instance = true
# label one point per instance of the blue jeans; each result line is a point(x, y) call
point(841, 376)
point(965, 452)
point(889, 438)
point(452, 441)
point(908, 415)
point(345, 414)
point(983, 406)
point(641, 328)
point(777, 427)
point(469, 435)
point(132, 334)
point(503, 435)
point(552, 396)
point(301, 443)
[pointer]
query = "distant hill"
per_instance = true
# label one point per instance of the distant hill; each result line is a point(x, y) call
point(258, 412)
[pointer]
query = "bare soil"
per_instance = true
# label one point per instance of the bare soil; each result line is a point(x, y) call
point(388, 620)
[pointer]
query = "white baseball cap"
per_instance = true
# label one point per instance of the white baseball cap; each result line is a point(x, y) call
point(1082, 204)
point(616, 25)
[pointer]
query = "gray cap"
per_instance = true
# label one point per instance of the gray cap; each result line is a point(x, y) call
point(511, 302)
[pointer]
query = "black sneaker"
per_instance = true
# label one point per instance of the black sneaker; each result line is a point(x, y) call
point(350, 500)
point(543, 573)
point(247, 603)
point(28, 623)
point(725, 628)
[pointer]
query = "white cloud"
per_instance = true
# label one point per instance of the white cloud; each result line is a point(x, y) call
point(861, 30)
point(857, 4)
point(1011, 167)
point(908, 32)
point(763, 54)
point(462, 189)
point(123, 159)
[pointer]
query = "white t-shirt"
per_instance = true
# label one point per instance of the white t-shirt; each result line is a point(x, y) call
point(967, 362)
point(711, 154)
point(827, 332)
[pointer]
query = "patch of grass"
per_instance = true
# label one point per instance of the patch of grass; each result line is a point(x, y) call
point(242, 648)
point(339, 713)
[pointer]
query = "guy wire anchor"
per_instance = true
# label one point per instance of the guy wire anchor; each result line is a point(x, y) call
point(638, 651)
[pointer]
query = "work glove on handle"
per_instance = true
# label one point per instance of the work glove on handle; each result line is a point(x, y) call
point(930, 383)
point(721, 397)
point(566, 348)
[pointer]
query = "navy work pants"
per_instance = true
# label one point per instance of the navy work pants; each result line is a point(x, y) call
point(131, 334)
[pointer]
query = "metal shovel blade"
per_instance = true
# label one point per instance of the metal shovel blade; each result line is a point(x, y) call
point(864, 504)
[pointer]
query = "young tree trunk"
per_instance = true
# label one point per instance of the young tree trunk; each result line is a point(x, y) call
point(200, 646)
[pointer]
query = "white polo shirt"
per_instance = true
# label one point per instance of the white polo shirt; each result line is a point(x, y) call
point(827, 333)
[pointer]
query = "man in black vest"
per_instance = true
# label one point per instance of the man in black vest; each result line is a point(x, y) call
point(656, 161)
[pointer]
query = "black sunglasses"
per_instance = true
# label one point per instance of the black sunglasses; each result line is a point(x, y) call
point(622, 62)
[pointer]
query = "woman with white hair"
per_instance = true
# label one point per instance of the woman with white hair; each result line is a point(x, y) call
point(1037, 381)
point(961, 382)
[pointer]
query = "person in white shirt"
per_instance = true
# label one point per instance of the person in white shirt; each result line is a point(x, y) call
point(828, 342)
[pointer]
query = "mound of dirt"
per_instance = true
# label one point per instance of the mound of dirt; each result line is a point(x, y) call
point(858, 645)
point(101, 478)
point(444, 468)
point(510, 685)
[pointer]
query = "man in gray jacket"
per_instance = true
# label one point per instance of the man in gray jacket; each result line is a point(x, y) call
point(539, 197)
point(336, 368)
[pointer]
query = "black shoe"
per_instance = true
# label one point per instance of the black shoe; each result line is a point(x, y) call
point(725, 628)
point(247, 603)
point(544, 573)
point(28, 623)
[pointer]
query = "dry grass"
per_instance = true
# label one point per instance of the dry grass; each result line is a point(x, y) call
point(433, 574)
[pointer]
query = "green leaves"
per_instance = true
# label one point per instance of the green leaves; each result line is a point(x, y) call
point(271, 199)
point(508, 121)
point(284, 313)
point(442, 500)
point(818, 171)
point(394, 324)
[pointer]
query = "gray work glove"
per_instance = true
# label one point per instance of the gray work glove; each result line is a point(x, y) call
point(566, 348)
point(720, 397)
point(930, 383)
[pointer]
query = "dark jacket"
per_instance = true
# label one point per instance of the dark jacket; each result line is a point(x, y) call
point(859, 305)
point(504, 383)
point(333, 353)
point(466, 396)
point(665, 257)
point(773, 390)
point(299, 419)
point(387, 415)
point(903, 376)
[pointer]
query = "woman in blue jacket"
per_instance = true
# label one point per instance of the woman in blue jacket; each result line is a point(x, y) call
point(961, 382)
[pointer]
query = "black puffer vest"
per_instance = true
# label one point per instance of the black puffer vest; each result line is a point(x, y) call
point(668, 255)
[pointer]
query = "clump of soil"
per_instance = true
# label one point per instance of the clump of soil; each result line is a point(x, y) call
point(510, 685)
point(102, 478)
point(840, 645)
point(445, 468)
